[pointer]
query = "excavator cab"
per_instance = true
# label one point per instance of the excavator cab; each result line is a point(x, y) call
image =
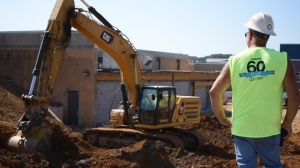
point(157, 105)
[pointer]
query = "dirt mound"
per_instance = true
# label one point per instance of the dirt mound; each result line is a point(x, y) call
point(6, 131)
point(67, 142)
point(11, 105)
point(8, 85)
point(71, 151)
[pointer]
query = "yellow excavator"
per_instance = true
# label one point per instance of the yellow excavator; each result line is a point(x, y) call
point(148, 112)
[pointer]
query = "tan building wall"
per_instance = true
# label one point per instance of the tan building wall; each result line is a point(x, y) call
point(184, 64)
point(191, 66)
point(18, 53)
point(17, 66)
point(166, 64)
point(170, 64)
point(71, 78)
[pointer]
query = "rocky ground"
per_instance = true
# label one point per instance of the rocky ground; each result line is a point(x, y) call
point(71, 151)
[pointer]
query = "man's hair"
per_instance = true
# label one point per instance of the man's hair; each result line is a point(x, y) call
point(261, 35)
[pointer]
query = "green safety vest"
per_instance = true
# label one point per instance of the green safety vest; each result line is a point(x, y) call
point(257, 76)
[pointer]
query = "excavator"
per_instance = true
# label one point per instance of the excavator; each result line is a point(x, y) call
point(146, 113)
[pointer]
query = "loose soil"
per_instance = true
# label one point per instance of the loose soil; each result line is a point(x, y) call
point(71, 151)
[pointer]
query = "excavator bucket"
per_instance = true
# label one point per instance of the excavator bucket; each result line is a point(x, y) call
point(33, 134)
point(28, 142)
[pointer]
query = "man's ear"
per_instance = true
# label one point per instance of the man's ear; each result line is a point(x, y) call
point(250, 34)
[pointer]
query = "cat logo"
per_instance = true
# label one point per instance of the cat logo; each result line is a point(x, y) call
point(108, 38)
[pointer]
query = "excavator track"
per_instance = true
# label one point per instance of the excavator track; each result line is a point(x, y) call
point(193, 140)
point(121, 137)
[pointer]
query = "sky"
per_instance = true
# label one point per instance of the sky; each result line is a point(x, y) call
point(194, 27)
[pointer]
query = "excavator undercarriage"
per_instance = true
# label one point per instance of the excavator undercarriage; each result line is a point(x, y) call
point(121, 137)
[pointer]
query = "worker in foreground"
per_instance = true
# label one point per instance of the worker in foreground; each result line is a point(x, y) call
point(257, 76)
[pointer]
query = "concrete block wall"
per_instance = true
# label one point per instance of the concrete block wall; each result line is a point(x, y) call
point(202, 92)
point(185, 88)
point(107, 99)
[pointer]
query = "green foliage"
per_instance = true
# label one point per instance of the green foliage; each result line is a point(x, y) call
point(203, 59)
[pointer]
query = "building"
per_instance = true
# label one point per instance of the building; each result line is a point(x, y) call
point(212, 67)
point(151, 61)
point(83, 94)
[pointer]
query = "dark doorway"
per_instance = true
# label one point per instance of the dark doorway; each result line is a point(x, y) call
point(73, 107)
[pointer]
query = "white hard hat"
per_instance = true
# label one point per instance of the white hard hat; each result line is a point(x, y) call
point(261, 22)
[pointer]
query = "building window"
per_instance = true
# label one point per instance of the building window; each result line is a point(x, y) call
point(158, 63)
point(178, 64)
point(297, 74)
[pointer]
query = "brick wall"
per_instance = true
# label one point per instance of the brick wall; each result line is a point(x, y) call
point(17, 65)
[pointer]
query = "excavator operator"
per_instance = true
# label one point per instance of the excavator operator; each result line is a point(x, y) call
point(147, 103)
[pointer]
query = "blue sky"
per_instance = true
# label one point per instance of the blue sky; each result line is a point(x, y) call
point(194, 27)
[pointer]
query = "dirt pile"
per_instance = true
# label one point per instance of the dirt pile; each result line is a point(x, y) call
point(11, 106)
point(71, 151)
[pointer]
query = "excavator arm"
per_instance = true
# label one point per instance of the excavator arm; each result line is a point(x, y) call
point(118, 47)
point(56, 39)
point(33, 134)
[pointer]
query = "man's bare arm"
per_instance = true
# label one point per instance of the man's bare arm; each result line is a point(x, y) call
point(219, 86)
